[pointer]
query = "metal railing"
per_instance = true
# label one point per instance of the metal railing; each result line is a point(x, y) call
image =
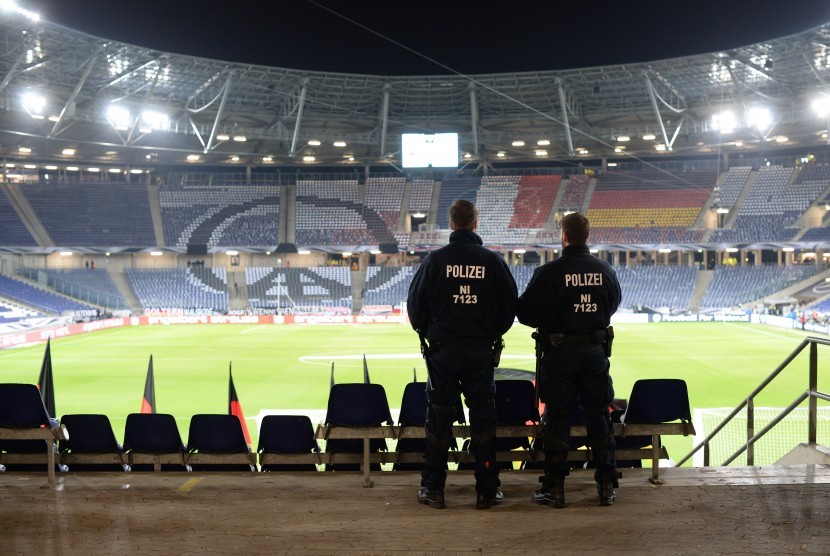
point(812, 394)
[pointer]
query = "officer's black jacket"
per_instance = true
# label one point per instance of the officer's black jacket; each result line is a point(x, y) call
point(462, 291)
point(574, 294)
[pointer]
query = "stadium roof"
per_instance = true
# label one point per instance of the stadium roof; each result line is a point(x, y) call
point(63, 89)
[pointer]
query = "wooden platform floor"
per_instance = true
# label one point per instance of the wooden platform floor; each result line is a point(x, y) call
point(743, 510)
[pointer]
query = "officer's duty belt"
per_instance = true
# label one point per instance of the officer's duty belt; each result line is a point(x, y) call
point(598, 337)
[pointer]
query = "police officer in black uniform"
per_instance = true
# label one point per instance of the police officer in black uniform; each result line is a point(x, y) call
point(461, 301)
point(570, 301)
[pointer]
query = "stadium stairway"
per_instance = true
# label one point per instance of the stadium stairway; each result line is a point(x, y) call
point(126, 291)
point(702, 281)
point(27, 215)
point(358, 286)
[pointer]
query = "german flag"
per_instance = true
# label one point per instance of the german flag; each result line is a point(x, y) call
point(44, 381)
point(235, 408)
point(148, 402)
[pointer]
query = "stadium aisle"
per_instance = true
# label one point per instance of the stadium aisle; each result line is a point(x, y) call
point(772, 510)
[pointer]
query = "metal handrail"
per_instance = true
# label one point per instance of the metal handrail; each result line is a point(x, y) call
point(811, 393)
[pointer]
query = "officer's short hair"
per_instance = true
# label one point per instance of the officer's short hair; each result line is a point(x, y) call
point(576, 227)
point(463, 215)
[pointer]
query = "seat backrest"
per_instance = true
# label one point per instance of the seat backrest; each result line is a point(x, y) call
point(658, 400)
point(515, 402)
point(89, 433)
point(216, 433)
point(152, 433)
point(286, 434)
point(21, 407)
point(358, 405)
point(413, 404)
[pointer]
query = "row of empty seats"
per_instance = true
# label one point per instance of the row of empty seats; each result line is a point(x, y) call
point(289, 442)
point(337, 212)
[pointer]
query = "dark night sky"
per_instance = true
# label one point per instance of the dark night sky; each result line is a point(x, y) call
point(466, 37)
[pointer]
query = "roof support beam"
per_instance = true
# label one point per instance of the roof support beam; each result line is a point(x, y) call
point(90, 63)
point(384, 118)
point(227, 88)
point(474, 117)
point(14, 68)
point(657, 115)
point(564, 105)
point(300, 106)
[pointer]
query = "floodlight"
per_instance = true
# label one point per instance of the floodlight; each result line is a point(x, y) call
point(240, 138)
point(821, 106)
point(309, 159)
point(93, 169)
point(520, 251)
point(136, 171)
point(541, 153)
point(68, 152)
point(733, 249)
point(518, 143)
point(724, 122)
point(623, 138)
point(33, 103)
point(155, 120)
point(119, 117)
point(156, 253)
point(339, 143)
point(71, 168)
point(543, 142)
point(193, 157)
point(223, 137)
point(314, 143)
point(232, 252)
point(30, 166)
point(24, 150)
point(759, 117)
point(788, 249)
point(649, 137)
point(664, 250)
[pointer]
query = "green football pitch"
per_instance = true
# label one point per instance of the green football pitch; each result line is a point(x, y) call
point(288, 367)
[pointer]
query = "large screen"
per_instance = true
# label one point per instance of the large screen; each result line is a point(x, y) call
point(436, 150)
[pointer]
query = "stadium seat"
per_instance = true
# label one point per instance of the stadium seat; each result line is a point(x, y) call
point(92, 445)
point(282, 436)
point(27, 431)
point(356, 405)
point(152, 442)
point(654, 401)
point(215, 442)
point(658, 400)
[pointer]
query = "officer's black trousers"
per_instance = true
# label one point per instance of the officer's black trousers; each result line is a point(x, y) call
point(577, 369)
point(458, 368)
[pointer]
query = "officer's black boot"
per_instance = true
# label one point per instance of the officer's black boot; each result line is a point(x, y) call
point(605, 487)
point(432, 498)
point(551, 493)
